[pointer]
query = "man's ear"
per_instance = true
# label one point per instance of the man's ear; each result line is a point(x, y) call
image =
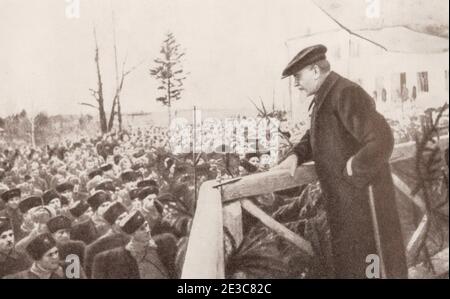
point(316, 70)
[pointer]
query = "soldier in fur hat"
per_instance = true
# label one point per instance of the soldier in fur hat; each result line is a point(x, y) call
point(137, 259)
point(11, 261)
point(115, 213)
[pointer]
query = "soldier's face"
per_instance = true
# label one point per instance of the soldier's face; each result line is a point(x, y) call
point(306, 80)
point(130, 185)
point(55, 204)
point(50, 260)
point(254, 161)
point(62, 236)
point(39, 215)
point(126, 164)
point(89, 165)
point(143, 233)
point(13, 203)
point(89, 213)
point(6, 241)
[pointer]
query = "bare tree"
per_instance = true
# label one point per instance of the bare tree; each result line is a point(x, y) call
point(106, 126)
point(116, 99)
point(98, 94)
point(169, 72)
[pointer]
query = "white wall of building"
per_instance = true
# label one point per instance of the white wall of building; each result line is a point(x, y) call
point(374, 68)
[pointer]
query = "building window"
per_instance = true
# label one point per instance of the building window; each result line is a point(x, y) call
point(422, 81)
point(402, 80)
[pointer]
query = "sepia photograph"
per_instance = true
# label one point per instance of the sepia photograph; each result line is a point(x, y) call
point(224, 139)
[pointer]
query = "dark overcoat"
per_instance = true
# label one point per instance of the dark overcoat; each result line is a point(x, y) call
point(105, 243)
point(345, 124)
point(27, 274)
point(16, 219)
point(13, 263)
point(118, 263)
point(84, 231)
point(72, 247)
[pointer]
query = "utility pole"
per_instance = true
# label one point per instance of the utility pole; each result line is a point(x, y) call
point(194, 158)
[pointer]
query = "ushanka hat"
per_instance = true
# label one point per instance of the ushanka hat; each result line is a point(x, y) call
point(30, 202)
point(78, 208)
point(7, 195)
point(63, 187)
point(113, 212)
point(57, 223)
point(97, 199)
point(40, 245)
point(132, 222)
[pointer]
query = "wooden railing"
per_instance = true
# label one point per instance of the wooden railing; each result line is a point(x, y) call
point(218, 207)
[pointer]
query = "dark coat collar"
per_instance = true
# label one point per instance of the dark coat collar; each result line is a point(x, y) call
point(325, 89)
point(12, 255)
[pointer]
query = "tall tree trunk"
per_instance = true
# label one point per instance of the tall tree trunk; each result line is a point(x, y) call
point(116, 97)
point(33, 138)
point(112, 114)
point(119, 114)
point(168, 101)
point(100, 100)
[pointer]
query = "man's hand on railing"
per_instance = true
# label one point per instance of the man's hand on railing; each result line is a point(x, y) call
point(290, 163)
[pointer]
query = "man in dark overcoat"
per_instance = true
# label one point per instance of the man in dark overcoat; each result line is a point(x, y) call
point(11, 261)
point(350, 143)
point(139, 258)
point(112, 239)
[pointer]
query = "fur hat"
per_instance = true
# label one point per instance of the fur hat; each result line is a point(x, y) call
point(58, 222)
point(40, 245)
point(132, 222)
point(7, 195)
point(63, 187)
point(97, 199)
point(30, 202)
point(147, 183)
point(147, 191)
point(106, 185)
point(113, 212)
point(78, 208)
point(49, 195)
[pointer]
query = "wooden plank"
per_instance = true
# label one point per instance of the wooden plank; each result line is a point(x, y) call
point(403, 187)
point(277, 227)
point(416, 239)
point(232, 220)
point(407, 150)
point(277, 180)
point(267, 182)
point(204, 254)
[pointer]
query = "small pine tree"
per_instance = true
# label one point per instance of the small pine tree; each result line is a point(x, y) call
point(169, 72)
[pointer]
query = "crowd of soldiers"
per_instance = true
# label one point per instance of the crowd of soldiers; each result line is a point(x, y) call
point(119, 206)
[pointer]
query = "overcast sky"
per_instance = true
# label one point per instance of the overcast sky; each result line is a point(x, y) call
point(235, 50)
